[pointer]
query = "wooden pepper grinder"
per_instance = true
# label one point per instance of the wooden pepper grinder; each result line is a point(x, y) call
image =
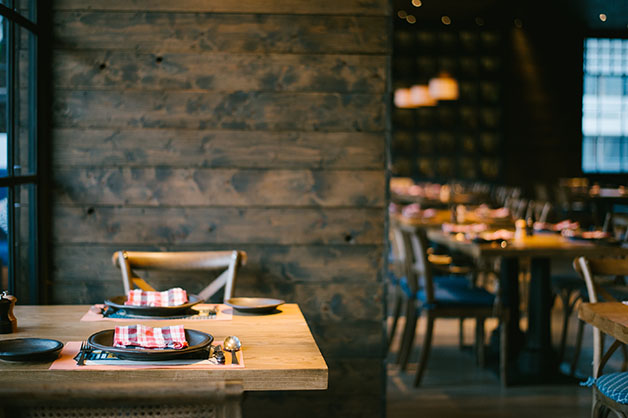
point(8, 323)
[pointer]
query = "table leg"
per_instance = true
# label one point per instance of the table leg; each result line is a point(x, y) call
point(509, 295)
point(537, 359)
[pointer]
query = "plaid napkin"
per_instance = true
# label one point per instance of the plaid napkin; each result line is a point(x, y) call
point(171, 297)
point(148, 337)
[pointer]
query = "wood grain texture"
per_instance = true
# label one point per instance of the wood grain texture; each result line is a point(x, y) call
point(164, 186)
point(127, 225)
point(211, 148)
point(115, 70)
point(269, 268)
point(156, 32)
point(287, 405)
point(347, 7)
point(262, 111)
point(298, 363)
point(610, 317)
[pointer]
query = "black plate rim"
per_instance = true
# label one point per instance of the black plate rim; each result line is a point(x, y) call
point(33, 355)
point(149, 354)
point(256, 308)
point(154, 310)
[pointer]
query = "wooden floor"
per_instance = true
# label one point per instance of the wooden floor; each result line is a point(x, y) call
point(454, 387)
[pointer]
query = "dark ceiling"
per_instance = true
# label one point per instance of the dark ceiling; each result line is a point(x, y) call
point(584, 14)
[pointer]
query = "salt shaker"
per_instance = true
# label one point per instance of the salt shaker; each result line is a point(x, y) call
point(8, 323)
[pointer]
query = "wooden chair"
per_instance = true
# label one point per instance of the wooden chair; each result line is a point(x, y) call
point(444, 297)
point(127, 261)
point(571, 290)
point(399, 262)
point(165, 399)
point(610, 392)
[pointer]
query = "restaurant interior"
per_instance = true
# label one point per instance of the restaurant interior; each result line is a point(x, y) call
point(356, 208)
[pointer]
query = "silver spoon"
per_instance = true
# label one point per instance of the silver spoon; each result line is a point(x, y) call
point(232, 344)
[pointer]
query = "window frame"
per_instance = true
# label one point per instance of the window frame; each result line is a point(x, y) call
point(39, 106)
point(600, 177)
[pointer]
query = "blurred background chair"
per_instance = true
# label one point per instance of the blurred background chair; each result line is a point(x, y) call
point(124, 399)
point(442, 297)
point(204, 261)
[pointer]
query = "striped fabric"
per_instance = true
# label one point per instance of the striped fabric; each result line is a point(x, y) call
point(149, 337)
point(171, 297)
point(614, 386)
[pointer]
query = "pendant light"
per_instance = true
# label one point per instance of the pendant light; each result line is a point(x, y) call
point(443, 87)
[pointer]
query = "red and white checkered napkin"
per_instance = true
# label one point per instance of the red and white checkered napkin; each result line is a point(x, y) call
point(171, 297)
point(149, 337)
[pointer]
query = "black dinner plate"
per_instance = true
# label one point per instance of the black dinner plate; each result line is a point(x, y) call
point(197, 341)
point(254, 305)
point(30, 349)
point(117, 303)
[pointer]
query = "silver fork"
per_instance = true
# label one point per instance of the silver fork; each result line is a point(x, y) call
point(85, 349)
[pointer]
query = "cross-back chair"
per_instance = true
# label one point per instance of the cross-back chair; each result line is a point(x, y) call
point(231, 261)
point(445, 297)
point(571, 290)
point(610, 391)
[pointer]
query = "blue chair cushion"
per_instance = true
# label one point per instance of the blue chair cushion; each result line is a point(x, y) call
point(448, 295)
point(614, 386)
point(442, 281)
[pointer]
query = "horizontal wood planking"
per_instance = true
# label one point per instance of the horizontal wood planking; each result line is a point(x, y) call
point(345, 7)
point(269, 268)
point(124, 225)
point(320, 304)
point(301, 403)
point(209, 148)
point(164, 186)
point(260, 111)
point(115, 70)
point(156, 32)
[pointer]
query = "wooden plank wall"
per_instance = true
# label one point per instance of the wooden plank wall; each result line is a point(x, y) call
point(254, 125)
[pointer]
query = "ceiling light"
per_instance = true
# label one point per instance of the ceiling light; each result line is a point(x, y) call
point(411, 19)
point(446, 20)
point(602, 17)
point(417, 3)
point(402, 14)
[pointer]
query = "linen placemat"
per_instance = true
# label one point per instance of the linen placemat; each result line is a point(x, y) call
point(70, 350)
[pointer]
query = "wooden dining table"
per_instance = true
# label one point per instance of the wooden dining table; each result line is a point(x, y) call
point(609, 317)
point(532, 358)
point(278, 350)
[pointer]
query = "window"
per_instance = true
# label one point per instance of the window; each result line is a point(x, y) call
point(605, 106)
point(18, 149)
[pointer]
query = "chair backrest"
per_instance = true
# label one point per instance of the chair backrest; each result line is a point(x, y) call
point(419, 270)
point(399, 258)
point(590, 269)
point(231, 261)
point(617, 224)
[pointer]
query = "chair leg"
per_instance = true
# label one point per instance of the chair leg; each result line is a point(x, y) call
point(578, 348)
point(425, 349)
point(504, 350)
point(480, 354)
point(565, 296)
point(624, 364)
point(461, 333)
point(393, 327)
point(408, 335)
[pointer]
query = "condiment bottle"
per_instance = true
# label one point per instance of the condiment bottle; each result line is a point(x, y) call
point(520, 230)
point(8, 322)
